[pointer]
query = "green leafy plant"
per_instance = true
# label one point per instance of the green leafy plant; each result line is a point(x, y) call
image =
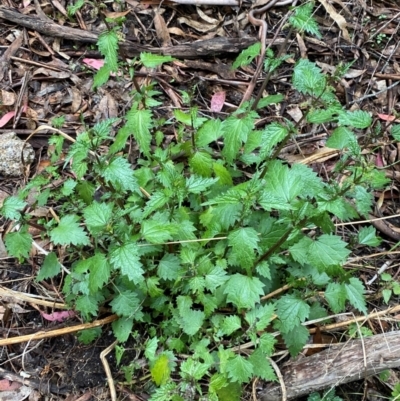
point(390, 287)
point(185, 246)
point(327, 396)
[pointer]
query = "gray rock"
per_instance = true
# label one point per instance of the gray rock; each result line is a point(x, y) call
point(10, 155)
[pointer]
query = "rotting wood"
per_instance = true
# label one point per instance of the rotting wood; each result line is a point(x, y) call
point(341, 363)
point(210, 47)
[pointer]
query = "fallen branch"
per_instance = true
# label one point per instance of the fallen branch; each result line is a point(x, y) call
point(203, 48)
point(341, 363)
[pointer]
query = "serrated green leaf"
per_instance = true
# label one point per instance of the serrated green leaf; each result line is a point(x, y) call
point(355, 294)
point(100, 271)
point(246, 56)
point(291, 311)
point(235, 131)
point(98, 216)
point(193, 370)
point(191, 321)
point(196, 184)
point(201, 163)
point(319, 116)
point(266, 343)
point(89, 335)
point(230, 392)
point(122, 328)
point(160, 371)
point(341, 138)
point(69, 232)
point(271, 136)
point(302, 19)
point(151, 60)
point(126, 303)
point(335, 294)
point(157, 232)
point(18, 243)
point(107, 44)
point(119, 173)
point(209, 132)
point(101, 76)
point(244, 291)
point(358, 119)
point(222, 174)
point(270, 99)
point(261, 366)
point(240, 369)
point(243, 242)
point(230, 324)
point(363, 198)
point(151, 348)
point(12, 206)
point(300, 250)
point(367, 236)
point(395, 131)
point(50, 267)
point(328, 250)
point(126, 258)
point(296, 339)
point(157, 201)
point(169, 267)
point(139, 121)
point(215, 278)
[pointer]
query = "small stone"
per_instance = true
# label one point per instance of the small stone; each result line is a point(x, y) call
point(10, 155)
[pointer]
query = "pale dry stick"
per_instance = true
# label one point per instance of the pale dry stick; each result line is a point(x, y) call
point(58, 332)
point(384, 267)
point(373, 255)
point(367, 221)
point(280, 378)
point(106, 366)
point(33, 299)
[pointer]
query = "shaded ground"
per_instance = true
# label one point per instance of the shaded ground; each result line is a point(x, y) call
point(47, 77)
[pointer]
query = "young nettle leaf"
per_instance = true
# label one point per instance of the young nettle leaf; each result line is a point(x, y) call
point(126, 303)
point(367, 236)
point(261, 366)
point(271, 136)
point(270, 99)
point(240, 369)
point(191, 369)
point(12, 206)
point(320, 116)
point(363, 199)
point(126, 258)
point(151, 348)
point(281, 183)
point(139, 122)
point(98, 216)
point(355, 294)
point(157, 232)
point(122, 328)
point(150, 60)
point(235, 130)
point(191, 119)
point(247, 56)
point(395, 131)
point(68, 231)
point(341, 138)
point(302, 19)
point(160, 371)
point(100, 271)
point(119, 174)
point(244, 241)
point(215, 278)
point(243, 291)
point(260, 316)
point(169, 267)
point(209, 132)
point(201, 163)
point(196, 184)
point(296, 339)
point(50, 267)
point(102, 76)
point(292, 311)
point(326, 251)
point(335, 294)
point(230, 324)
point(357, 119)
point(108, 47)
point(19, 243)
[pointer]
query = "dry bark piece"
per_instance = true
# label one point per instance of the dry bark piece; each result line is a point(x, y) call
point(341, 363)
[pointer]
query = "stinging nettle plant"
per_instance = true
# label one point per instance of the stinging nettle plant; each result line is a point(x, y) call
point(186, 245)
